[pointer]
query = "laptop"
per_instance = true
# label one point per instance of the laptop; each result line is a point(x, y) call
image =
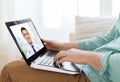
point(41, 58)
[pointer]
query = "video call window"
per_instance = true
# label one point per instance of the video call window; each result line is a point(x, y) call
point(27, 38)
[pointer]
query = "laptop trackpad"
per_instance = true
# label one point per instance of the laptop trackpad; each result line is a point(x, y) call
point(69, 66)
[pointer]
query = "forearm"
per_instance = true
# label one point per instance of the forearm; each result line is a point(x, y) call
point(93, 60)
point(69, 45)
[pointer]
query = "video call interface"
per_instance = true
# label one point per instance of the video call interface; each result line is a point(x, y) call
point(27, 38)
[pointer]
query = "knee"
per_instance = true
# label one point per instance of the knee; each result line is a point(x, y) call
point(5, 76)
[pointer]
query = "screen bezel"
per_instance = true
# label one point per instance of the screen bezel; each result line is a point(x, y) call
point(33, 57)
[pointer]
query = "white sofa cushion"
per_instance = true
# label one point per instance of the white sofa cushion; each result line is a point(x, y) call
point(90, 26)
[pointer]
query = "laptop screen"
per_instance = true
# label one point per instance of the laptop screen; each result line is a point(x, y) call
point(27, 38)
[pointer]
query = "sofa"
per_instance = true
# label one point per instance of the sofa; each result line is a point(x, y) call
point(85, 27)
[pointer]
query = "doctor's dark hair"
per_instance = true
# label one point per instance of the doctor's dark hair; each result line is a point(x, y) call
point(23, 28)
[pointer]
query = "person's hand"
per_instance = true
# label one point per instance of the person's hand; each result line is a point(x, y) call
point(80, 57)
point(71, 55)
point(52, 45)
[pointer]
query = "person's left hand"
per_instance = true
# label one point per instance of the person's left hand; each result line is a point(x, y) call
point(72, 55)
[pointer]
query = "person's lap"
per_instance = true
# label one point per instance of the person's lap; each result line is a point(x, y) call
point(18, 71)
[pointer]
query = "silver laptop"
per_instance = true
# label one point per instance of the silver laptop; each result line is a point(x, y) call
point(33, 49)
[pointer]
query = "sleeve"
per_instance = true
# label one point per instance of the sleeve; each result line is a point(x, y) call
point(95, 42)
point(111, 66)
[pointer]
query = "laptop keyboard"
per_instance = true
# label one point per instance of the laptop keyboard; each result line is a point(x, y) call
point(47, 59)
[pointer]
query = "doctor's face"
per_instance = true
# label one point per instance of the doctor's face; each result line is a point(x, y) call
point(27, 36)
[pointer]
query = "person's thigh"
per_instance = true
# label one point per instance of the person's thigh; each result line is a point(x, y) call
point(18, 71)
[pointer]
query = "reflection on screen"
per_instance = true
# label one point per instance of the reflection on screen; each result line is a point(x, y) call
point(27, 38)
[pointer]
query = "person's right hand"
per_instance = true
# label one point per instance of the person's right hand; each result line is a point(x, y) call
point(53, 45)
